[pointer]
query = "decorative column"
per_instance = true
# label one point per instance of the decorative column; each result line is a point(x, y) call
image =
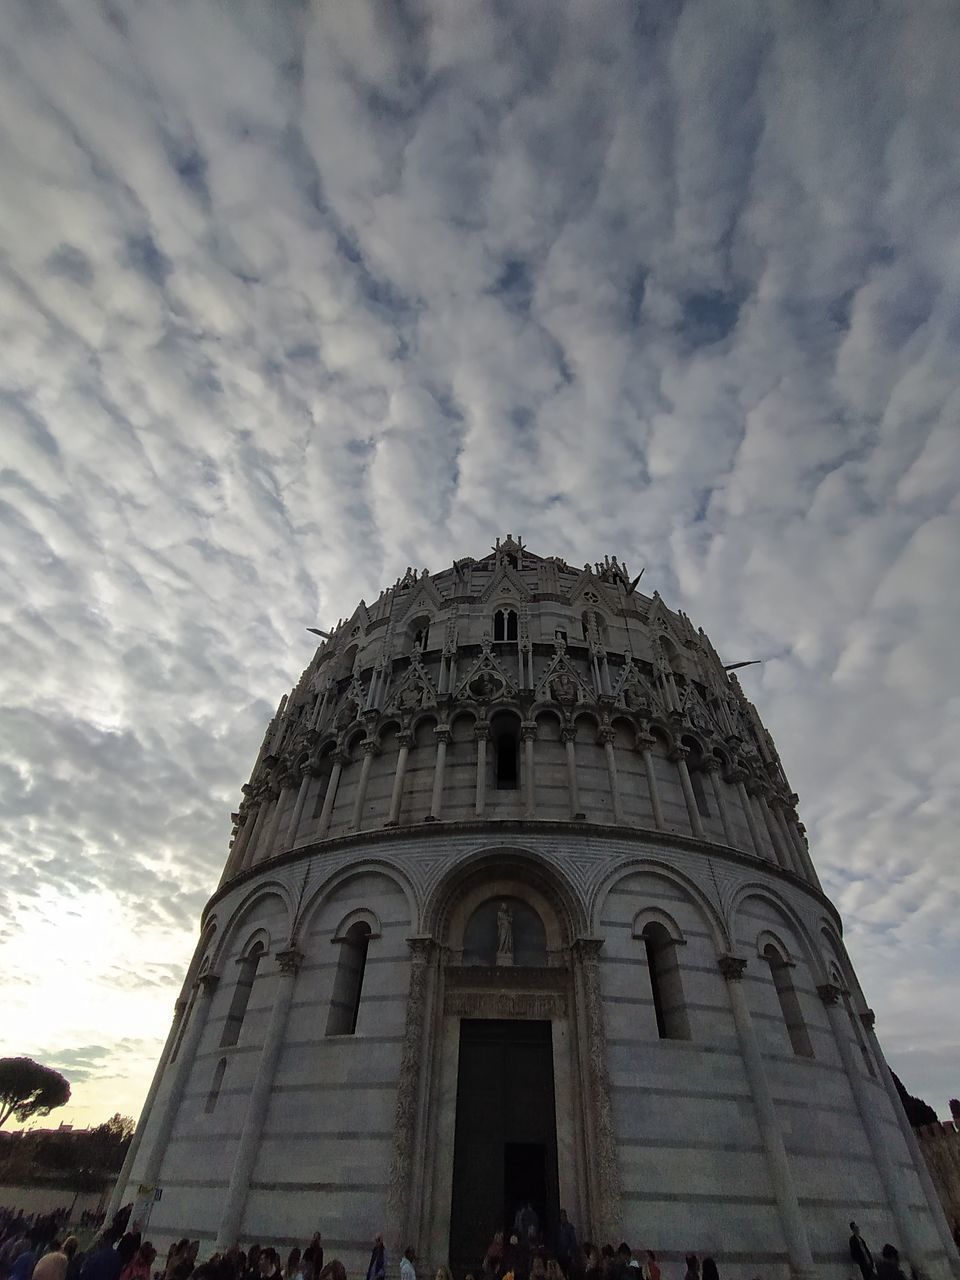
point(679, 755)
point(789, 848)
point(249, 1145)
point(250, 852)
point(607, 735)
point(369, 748)
point(798, 1246)
point(711, 766)
point(568, 735)
point(443, 735)
point(872, 1123)
point(644, 742)
point(339, 760)
point(273, 826)
point(405, 1116)
point(740, 780)
point(405, 741)
point(797, 834)
point(779, 851)
point(868, 1019)
point(482, 734)
point(608, 1209)
point(298, 807)
point(528, 736)
point(196, 1021)
point(117, 1195)
point(246, 819)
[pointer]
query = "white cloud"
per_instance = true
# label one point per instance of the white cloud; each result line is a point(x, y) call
point(288, 305)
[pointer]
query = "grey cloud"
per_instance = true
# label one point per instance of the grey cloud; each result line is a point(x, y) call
point(292, 303)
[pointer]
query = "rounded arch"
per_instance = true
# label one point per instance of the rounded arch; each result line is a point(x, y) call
point(390, 725)
point(663, 735)
point(346, 661)
point(353, 739)
point(341, 877)
point(202, 954)
point(590, 717)
point(424, 720)
point(652, 866)
point(463, 713)
point(259, 894)
point(545, 711)
point(696, 746)
point(475, 875)
point(762, 892)
point(767, 940)
point(361, 915)
point(662, 919)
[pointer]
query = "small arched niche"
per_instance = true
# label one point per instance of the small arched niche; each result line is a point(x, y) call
point(505, 931)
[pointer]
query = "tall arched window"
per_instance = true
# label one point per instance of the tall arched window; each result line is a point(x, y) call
point(664, 966)
point(241, 995)
point(215, 1085)
point(505, 624)
point(420, 632)
point(789, 1004)
point(348, 983)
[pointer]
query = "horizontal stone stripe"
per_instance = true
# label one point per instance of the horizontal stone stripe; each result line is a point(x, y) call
point(338, 1135)
point(322, 1086)
point(670, 1144)
point(326, 1187)
point(692, 1197)
point(628, 924)
point(353, 1038)
point(824, 1202)
point(661, 1091)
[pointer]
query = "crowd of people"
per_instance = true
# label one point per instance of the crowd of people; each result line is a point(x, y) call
point(38, 1247)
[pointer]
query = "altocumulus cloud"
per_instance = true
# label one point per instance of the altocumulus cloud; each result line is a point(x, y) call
point(296, 295)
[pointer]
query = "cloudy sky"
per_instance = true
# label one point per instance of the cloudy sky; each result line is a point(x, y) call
point(294, 295)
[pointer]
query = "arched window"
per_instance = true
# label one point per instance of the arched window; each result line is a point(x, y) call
point(420, 632)
point(348, 983)
point(241, 995)
point(505, 624)
point(215, 1085)
point(789, 1004)
point(505, 737)
point(665, 983)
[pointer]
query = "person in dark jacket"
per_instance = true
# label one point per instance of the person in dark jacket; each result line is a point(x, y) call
point(103, 1261)
point(889, 1266)
point(860, 1253)
point(377, 1268)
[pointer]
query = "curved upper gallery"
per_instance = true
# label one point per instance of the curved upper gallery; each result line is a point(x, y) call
point(518, 687)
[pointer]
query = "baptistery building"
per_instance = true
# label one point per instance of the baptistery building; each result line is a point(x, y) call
point(518, 910)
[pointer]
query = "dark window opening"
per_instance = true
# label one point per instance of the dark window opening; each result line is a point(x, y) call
point(665, 984)
point(348, 983)
point(215, 1086)
point(789, 1004)
point(241, 996)
point(505, 624)
point(507, 752)
point(699, 793)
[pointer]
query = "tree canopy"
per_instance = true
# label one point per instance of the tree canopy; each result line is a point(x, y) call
point(28, 1088)
point(918, 1111)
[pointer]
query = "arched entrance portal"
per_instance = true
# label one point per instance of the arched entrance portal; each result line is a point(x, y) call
point(513, 1090)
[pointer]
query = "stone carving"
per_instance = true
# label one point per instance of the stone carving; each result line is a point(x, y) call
point(405, 1116)
point(504, 935)
point(586, 951)
point(506, 1004)
point(829, 993)
point(411, 696)
point(486, 686)
point(731, 968)
point(348, 713)
point(563, 689)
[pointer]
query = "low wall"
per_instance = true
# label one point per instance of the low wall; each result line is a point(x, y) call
point(940, 1144)
point(39, 1199)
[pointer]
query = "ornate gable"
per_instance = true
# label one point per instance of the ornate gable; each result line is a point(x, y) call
point(413, 690)
point(505, 581)
point(561, 682)
point(487, 679)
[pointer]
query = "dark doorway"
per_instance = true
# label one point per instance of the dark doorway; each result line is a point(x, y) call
point(505, 1148)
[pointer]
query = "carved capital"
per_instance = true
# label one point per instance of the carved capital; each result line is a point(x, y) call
point(731, 967)
point(370, 747)
point(709, 764)
point(481, 731)
point(587, 950)
point(442, 734)
point(606, 733)
point(208, 982)
point(829, 993)
point(869, 1019)
point(528, 730)
point(421, 948)
point(405, 738)
point(645, 741)
point(290, 960)
point(568, 733)
point(679, 753)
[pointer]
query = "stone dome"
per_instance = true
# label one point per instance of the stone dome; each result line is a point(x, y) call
point(518, 908)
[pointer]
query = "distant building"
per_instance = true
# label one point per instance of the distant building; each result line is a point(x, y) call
point(518, 908)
